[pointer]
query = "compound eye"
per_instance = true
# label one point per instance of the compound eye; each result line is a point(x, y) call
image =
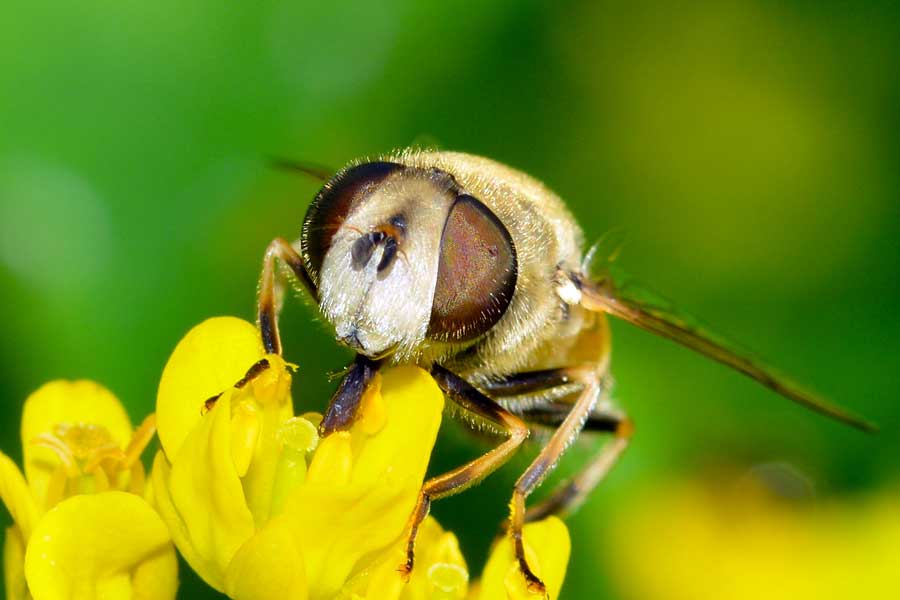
point(333, 204)
point(476, 273)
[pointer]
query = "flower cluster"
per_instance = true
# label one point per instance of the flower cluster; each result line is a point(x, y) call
point(82, 527)
point(256, 503)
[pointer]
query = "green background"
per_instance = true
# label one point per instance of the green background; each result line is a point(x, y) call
point(749, 151)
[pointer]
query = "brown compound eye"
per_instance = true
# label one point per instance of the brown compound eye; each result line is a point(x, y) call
point(476, 273)
point(331, 206)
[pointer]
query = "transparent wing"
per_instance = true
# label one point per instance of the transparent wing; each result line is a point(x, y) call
point(608, 293)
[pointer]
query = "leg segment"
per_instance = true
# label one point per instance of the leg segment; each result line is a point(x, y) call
point(345, 401)
point(252, 373)
point(539, 397)
point(270, 290)
point(552, 415)
point(571, 493)
point(471, 400)
point(530, 382)
point(540, 467)
point(342, 409)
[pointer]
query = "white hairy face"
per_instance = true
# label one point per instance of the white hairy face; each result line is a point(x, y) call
point(376, 304)
point(404, 255)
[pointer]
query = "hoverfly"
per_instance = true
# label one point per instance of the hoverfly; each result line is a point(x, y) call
point(479, 273)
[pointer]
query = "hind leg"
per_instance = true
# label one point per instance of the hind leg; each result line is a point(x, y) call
point(570, 494)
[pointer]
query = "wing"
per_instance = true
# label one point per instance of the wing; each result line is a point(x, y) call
point(604, 293)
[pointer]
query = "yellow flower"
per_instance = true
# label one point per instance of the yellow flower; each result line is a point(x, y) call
point(441, 572)
point(81, 526)
point(702, 540)
point(260, 507)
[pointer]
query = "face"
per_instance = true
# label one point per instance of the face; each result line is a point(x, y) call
point(402, 255)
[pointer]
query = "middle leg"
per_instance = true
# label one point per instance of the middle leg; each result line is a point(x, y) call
point(475, 403)
point(579, 412)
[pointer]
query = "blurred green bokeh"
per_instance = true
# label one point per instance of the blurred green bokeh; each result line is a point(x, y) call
point(749, 150)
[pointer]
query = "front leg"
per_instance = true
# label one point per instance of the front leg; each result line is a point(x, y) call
point(270, 291)
point(345, 402)
point(269, 305)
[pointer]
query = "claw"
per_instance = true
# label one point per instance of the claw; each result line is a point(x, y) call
point(209, 404)
point(405, 570)
point(537, 587)
point(534, 583)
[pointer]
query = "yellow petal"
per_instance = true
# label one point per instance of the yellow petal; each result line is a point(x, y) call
point(442, 569)
point(352, 507)
point(157, 577)
point(333, 462)
point(268, 566)
point(408, 414)
point(440, 572)
point(245, 430)
point(268, 399)
point(547, 548)
point(202, 499)
point(88, 546)
point(161, 500)
point(334, 527)
point(66, 403)
point(17, 497)
point(210, 359)
point(14, 565)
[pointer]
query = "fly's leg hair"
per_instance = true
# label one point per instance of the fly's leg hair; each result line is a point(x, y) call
point(270, 290)
point(476, 403)
point(570, 494)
